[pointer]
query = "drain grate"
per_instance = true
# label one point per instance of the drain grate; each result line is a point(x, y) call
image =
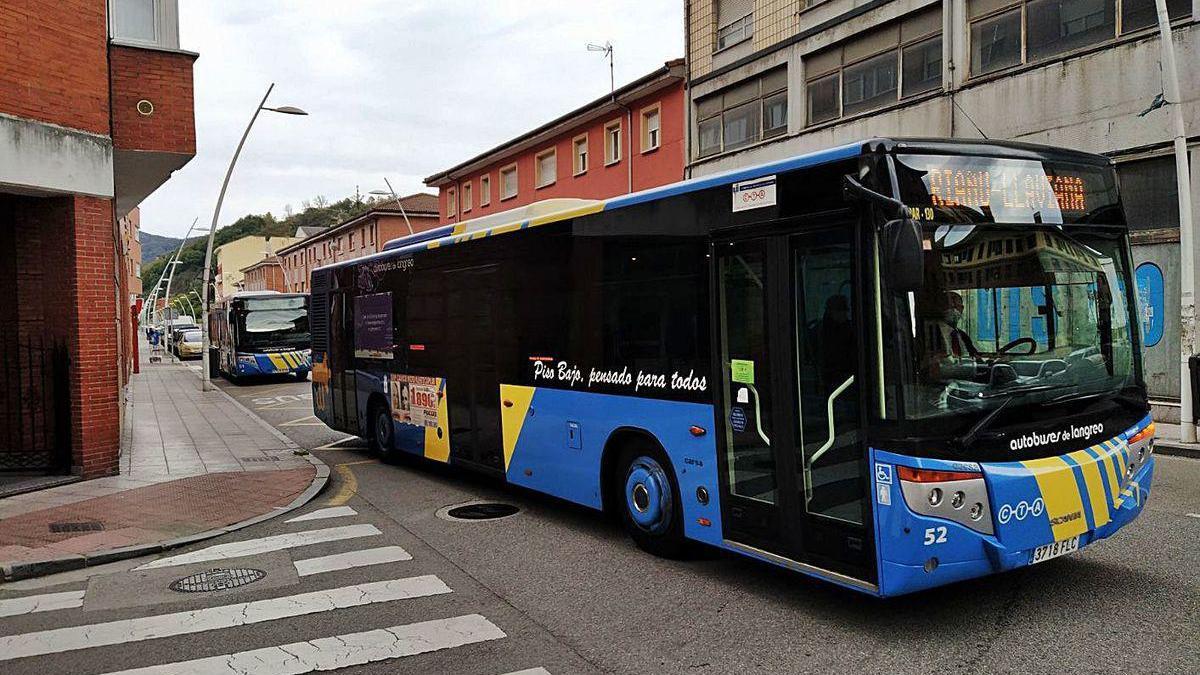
point(88, 526)
point(217, 579)
point(482, 511)
point(259, 459)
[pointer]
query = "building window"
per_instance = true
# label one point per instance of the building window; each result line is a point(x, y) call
point(508, 182)
point(743, 114)
point(135, 20)
point(451, 203)
point(922, 66)
point(579, 155)
point(876, 68)
point(735, 22)
point(545, 168)
point(651, 128)
point(823, 98)
point(1005, 33)
point(466, 196)
point(485, 190)
point(612, 142)
point(1139, 14)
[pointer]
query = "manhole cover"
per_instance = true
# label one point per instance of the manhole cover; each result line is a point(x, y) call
point(482, 511)
point(89, 526)
point(217, 579)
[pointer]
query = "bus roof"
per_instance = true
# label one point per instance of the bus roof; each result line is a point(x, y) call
point(554, 210)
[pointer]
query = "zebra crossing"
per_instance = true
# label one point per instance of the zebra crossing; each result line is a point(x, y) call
point(368, 644)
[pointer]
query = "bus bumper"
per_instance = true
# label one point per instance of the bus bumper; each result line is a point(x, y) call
point(917, 551)
point(275, 363)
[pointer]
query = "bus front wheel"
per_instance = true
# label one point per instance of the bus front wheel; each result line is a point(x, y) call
point(650, 503)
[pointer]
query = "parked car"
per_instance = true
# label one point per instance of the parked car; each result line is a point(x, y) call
point(175, 333)
point(189, 343)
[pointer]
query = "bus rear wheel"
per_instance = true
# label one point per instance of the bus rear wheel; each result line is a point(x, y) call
point(650, 504)
point(383, 432)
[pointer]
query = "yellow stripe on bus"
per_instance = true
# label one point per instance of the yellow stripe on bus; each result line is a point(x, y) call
point(1095, 486)
point(276, 359)
point(1060, 494)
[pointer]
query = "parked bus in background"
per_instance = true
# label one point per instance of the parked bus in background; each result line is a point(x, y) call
point(892, 365)
point(260, 333)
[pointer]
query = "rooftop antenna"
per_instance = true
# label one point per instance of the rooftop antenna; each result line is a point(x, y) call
point(607, 49)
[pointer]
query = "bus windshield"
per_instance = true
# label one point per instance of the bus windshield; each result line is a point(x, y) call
point(264, 323)
point(1024, 301)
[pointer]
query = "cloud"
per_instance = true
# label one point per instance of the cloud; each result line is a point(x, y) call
point(397, 89)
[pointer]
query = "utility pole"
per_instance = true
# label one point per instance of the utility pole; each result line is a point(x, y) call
point(1187, 272)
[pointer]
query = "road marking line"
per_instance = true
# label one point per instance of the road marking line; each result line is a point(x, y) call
point(278, 542)
point(342, 651)
point(348, 560)
point(214, 618)
point(334, 444)
point(1193, 515)
point(530, 671)
point(41, 603)
point(347, 488)
point(302, 423)
point(320, 514)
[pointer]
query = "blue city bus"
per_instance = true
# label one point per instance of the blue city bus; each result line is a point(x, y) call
point(892, 364)
point(253, 333)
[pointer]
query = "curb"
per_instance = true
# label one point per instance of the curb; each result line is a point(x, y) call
point(39, 568)
point(1176, 449)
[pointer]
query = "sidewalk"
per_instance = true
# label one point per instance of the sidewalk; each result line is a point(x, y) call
point(193, 465)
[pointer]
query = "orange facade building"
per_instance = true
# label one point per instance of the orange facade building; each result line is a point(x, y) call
point(630, 140)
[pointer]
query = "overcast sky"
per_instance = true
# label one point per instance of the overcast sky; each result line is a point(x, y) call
point(400, 88)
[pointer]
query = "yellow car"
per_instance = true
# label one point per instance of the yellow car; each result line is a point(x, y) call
point(190, 344)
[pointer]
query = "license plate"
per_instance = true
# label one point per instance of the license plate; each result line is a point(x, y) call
point(1044, 553)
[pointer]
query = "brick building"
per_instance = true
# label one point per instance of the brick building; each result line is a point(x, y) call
point(630, 140)
point(264, 275)
point(356, 237)
point(96, 111)
point(130, 270)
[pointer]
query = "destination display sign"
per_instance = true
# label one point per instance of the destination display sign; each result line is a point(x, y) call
point(981, 189)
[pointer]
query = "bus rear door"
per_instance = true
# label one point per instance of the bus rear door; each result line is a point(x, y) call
point(789, 330)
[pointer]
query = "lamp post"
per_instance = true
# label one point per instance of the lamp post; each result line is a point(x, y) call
point(205, 383)
point(398, 202)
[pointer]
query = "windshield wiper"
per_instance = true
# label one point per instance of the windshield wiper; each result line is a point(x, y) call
point(965, 440)
point(1119, 397)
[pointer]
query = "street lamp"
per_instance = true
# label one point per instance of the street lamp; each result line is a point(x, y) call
point(205, 383)
point(398, 202)
point(171, 276)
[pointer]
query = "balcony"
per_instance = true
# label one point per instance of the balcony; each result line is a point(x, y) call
point(153, 107)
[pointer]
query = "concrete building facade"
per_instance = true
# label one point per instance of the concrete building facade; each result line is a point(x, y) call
point(774, 78)
point(96, 111)
point(628, 141)
point(356, 237)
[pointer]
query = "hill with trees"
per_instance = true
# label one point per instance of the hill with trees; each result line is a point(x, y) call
point(318, 212)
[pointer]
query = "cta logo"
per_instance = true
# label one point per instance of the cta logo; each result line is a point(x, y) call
point(1021, 510)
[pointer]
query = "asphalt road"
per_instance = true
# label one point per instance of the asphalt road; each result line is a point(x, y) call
point(568, 592)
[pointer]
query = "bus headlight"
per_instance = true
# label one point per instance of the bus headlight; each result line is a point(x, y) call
point(924, 492)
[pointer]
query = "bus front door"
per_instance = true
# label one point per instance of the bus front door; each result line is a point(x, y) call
point(789, 332)
point(343, 392)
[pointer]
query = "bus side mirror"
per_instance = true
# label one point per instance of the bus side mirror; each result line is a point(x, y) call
point(905, 253)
